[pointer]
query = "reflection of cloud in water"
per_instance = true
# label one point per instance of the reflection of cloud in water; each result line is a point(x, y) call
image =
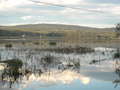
point(56, 77)
point(85, 80)
point(32, 59)
point(2, 66)
point(103, 49)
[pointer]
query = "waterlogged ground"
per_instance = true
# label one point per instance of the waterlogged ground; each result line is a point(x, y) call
point(32, 69)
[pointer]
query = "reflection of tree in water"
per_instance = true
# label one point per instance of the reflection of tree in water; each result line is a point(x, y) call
point(117, 67)
point(117, 81)
point(14, 72)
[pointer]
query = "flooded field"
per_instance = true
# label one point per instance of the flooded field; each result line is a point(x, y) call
point(34, 69)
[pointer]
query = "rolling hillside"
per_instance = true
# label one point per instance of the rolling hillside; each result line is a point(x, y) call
point(70, 34)
point(50, 27)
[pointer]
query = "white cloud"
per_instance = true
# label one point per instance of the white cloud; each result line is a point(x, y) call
point(11, 4)
point(29, 12)
point(109, 9)
point(26, 17)
point(115, 10)
point(64, 2)
point(84, 6)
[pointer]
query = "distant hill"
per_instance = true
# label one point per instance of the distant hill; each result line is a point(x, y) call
point(37, 27)
point(69, 34)
point(55, 30)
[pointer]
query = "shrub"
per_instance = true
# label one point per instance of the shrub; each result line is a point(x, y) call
point(52, 43)
point(8, 45)
point(36, 43)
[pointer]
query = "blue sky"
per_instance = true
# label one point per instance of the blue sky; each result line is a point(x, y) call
point(93, 13)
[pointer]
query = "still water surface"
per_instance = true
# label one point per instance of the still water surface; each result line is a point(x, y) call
point(42, 70)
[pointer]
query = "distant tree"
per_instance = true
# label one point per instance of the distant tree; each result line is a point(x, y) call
point(0, 57)
point(117, 29)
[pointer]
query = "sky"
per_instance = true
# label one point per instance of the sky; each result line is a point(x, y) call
point(92, 13)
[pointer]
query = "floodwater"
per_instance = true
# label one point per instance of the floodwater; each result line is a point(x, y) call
point(31, 69)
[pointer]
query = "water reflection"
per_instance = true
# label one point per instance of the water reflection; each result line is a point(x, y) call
point(20, 68)
point(117, 71)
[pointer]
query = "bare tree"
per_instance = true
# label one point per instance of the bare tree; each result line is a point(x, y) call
point(117, 29)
